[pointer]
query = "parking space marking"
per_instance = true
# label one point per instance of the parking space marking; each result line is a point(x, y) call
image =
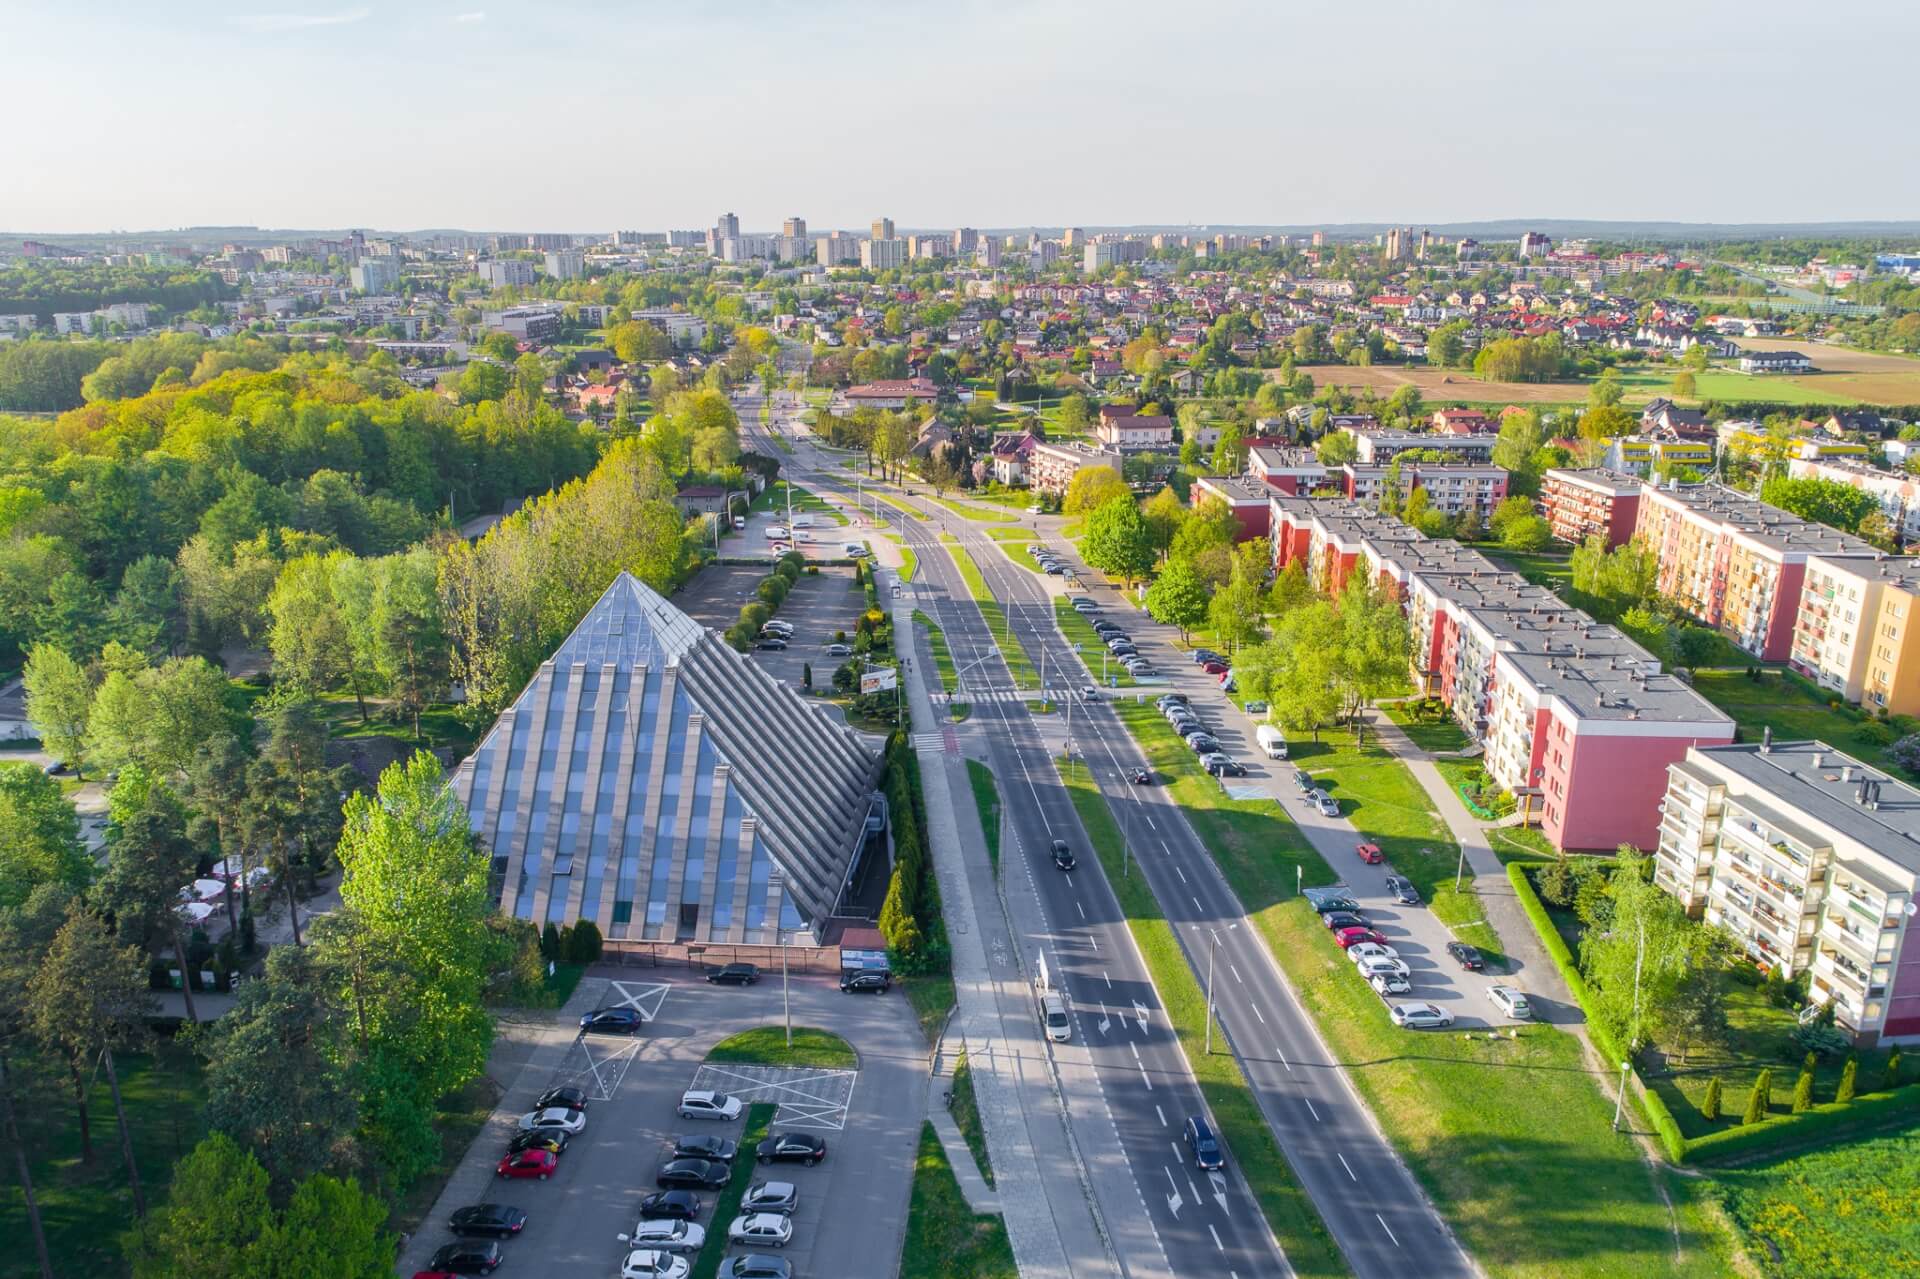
point(596, 1064)
point(807, 1098)
point(645, 997)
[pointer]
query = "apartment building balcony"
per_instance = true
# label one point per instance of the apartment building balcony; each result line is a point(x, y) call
point(1843, 939)
point(1839, 970)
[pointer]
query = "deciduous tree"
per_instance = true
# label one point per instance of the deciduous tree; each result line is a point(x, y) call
point(1178, 596)
point(1118, 540)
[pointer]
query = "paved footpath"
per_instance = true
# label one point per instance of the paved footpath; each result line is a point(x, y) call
point(1050, 1221)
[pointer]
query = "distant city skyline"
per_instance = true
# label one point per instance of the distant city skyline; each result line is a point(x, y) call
point(576, 116)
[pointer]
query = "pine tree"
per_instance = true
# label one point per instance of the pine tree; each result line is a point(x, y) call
point(1711, 1106)
point(550, 942)
point(1844, 1093)
point(1893, 1067)
point(586, 942)
point(1803, 1092)
point(1757, 1100)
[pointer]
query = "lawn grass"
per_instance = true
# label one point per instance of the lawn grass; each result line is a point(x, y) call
point(909, 560)
point(1079, 631)
point(440, 724)
point(942, 655)
point(986, 797)
point(804, 502)
point(899, 505)
point(1551, 568)
point(1014, 541)
point(945, 1240)
point(975, 513)
point(1795, 711)
point(931, 995)
point(1019, 665)
point(1842, 1213)
point(1434, 735)
point(1718, 384)
point(726, 1205)
point(1520, 843)
point(1243, 1127)
point(966, 1116)
point(84, 1207)
point(556, 988)
point(767, 1046)
point(1380, 796)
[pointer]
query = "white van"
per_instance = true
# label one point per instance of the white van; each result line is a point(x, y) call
point(1271, 740)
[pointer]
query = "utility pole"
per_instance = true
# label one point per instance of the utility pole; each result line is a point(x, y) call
point(1210, 953)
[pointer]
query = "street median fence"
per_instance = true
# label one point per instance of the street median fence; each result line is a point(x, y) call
point(1817, 1125)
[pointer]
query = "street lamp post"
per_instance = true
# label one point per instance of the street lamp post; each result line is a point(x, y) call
point(1620, 1099)
point(777, 880)
point(1211, 951)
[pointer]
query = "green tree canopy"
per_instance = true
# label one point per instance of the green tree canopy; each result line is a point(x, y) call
point(1179, 596)
point(1118, 539)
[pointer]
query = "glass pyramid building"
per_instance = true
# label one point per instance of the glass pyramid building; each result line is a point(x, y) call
point(657, 782)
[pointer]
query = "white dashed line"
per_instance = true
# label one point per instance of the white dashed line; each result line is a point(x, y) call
point(1222, 1247)
point(1236, 974)
point(1082, 909)
point(1256, 1013)
point(1311, 1110)
point(1181, 873)
point(1389, 1229)
point(1344, 1164)
point(1103, 973)
point(1161, 1113)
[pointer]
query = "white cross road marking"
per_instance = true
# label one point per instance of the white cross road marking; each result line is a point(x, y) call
point(645, 997)
point(598, 1076)
point(807, 1098)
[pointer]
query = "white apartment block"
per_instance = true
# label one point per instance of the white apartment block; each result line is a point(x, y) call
point(566, 264)
point(504, 273)
point(1052, 467)
point(1812, 860)
point(683, 327)
point(883, 255)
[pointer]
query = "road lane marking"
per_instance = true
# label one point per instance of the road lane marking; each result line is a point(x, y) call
point(1389, 1229)
point(1344, 1164)
point(1105, 978)
point(1181, 873)
point(1236, 973)
point(1256, 1013)
point(1173, 1194)
point(1082, 909)
point(1216, 1237)
point(1161, 1113)
point(1311, 1110)
point(1095, 943)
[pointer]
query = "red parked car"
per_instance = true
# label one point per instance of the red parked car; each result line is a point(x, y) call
point(529, 1163)
point(1369, 853)
point(1354, 936)
point(1215, 668)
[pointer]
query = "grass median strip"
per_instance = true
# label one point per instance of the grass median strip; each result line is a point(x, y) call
point(767, 1046)
point(899, 505)
point(1078, 630)
point(986, 797)
point(726, 1205)
point(1019, 665)
point(975, 513)
point(945, 1239)
point(966, 1117)
point(937, 641)
point(1288, 1211)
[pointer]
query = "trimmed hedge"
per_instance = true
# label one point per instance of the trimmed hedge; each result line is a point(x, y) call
point(1821, 1123)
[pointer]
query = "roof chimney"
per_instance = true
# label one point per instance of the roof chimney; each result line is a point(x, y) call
point(1846, 772)
point(1818, 758)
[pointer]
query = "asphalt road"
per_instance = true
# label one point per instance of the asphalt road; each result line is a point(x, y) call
point(852, 1207)
point(1166, 1218)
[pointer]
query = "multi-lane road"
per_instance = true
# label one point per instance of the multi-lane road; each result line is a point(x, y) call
point(1175, 1221)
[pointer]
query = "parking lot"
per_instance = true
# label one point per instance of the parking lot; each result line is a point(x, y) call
point(852, 1207)
point(818, 607)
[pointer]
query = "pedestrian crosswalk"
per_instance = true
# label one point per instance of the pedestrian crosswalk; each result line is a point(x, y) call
point(975, 696)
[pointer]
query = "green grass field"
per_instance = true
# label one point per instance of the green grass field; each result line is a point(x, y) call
point(1721, 384)
point(1551, 568)
point(1243, 1127)
point(1841, 1213)
point(1019, 665)
point(975, 513)
point(898, 504)
point(945, 1239)
point(1795, 711)
point(931, 995)
point(909, 561)
point(986, 797)
point(937, 641)
point(1380, 797)
point(1079, 630)
point(767, 1046)
point(1435, 735)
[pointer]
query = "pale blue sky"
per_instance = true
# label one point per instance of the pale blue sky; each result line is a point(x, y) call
point(571, 116)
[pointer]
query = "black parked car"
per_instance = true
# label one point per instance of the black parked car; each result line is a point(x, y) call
point(1329, 904)
point(692, 1174)
point(554, 1139)
point(1335, 920)
point(1466, 956)
point(613, 1021)
point(875, 980)
point(734, 975)
point(469, 1258)
point(695, 1146)
point(502, 1221)
point(670, 1205)
point(571, 1098)
point(792, 1148)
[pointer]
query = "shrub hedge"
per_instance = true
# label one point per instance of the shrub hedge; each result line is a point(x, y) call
point(1819, 1123)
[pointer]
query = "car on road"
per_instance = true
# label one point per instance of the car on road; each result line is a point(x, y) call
point(1421, 1016)
point(1468, 957)
point(1511, 1001)
point(839, 650)
point(792, 1148)
point(651, 1263)
point(569, 1121)
point(761, 1230)
point(668, 1234)
point(1303, 780)
point(1371, 950)
point(1202, 655)
point(613, 1021)
point(779, 548)
point(681, 1204)
point(1203, 743)
point(469, 1257)
point(571, 1098)
point(734, 975)
point(756, 1265)
point(1347, 937)
point(1202, 1145)
point(1402, 890)
point(553, 1139)
point(1328, 806)
point(869, 980)
point(1381, 964)
point(853, 550)
point(1168, 699)
point(699, 1146)
point(1055, 570)
point(1085, 606)
point(774, 645)
point(522, 1164)
point(1140, 777)
point(704, 1104)
point(1062, 855)
point(692, 1174)
point(770, 1196)
point(1335, 920)
point(1385, 984)
point(502, 1221)
point(1369, 853)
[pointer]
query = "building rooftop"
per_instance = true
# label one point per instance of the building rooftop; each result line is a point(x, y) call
point(1235, 490)
point(1768, 526)
point(1617, 483)
point(1831, 788)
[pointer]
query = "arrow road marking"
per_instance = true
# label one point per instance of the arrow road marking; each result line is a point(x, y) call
point(1174, 1201)
point(1140, 1014)
point(1219, 1191)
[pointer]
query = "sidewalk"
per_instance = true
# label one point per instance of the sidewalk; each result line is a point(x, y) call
point(1050, 1222)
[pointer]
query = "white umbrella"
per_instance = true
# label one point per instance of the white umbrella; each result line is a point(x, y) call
point(196, 912)
point(208, 889)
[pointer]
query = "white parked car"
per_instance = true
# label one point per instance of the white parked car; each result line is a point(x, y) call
point(1371, 950)
point(1370, 968)
point(1511, 1001)
point(1390, 984)
point(1421, 1016)
point(572, 1121)
point(762, 1229)
point(668, 1236)
point(650, 1263)
point(701, 1104)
